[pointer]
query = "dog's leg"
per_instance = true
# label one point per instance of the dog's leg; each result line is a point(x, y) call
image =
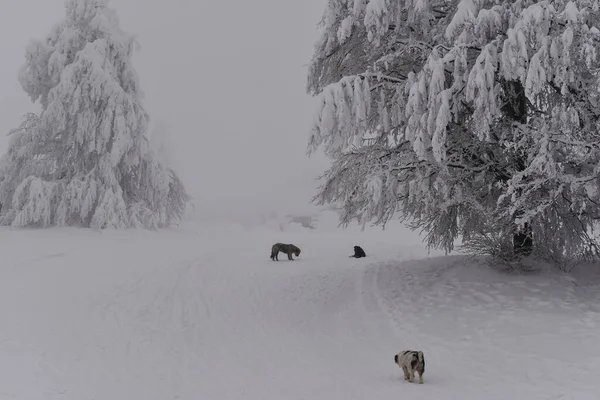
point(420, 377)
point(406, 375)
point(412, 375)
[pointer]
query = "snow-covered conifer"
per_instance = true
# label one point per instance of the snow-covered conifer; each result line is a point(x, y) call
point(86, 159)
point(485, 112)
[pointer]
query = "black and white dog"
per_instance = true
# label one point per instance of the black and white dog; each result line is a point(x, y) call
point(411, 361)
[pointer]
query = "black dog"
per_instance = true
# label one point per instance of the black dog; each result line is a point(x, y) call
point(358, 252)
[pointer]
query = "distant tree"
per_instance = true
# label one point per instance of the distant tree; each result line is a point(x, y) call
point(483, 118)
point(86, 159)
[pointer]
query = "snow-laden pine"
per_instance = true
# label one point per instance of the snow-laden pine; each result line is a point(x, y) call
point(85, 160)
point(486, 115)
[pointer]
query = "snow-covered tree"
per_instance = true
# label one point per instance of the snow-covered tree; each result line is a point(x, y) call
point(85, 160)
point(485, 114)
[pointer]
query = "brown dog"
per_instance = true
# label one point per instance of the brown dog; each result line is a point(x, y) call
point(288, 249)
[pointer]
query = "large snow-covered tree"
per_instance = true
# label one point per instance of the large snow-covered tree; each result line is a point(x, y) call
point(482, 119)
point(85, 160)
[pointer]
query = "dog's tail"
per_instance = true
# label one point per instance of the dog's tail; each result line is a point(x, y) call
point(421, 359)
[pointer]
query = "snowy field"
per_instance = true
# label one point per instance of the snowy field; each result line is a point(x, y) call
point(202, 313)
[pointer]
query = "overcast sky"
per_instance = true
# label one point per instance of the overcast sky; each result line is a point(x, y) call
point(228, 79)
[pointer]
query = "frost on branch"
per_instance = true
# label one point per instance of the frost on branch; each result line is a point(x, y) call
point(481, 90)
point(86, 159)
point(466, 12)
point(341, 116)
point(33, 199)
point(485, 113)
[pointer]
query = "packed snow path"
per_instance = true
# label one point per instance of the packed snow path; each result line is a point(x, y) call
point(192, 316)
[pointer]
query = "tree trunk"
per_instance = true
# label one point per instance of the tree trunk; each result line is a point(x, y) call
point(523, 242)
point(515, 108)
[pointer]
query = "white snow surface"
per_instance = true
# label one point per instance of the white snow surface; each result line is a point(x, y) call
point(203, 313)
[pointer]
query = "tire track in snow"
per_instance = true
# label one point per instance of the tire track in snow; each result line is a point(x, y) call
point(158, 319)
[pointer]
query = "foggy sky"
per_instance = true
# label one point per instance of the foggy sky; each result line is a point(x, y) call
point(228, 78)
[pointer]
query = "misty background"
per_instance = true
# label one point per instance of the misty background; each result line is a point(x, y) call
point(224, 81)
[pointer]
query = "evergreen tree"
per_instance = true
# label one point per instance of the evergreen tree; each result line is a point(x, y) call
point(485, 115)
point(86, 160)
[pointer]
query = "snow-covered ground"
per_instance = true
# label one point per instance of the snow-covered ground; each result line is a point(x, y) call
point(202, 313)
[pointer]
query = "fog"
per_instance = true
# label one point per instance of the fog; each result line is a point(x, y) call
point(226, 78)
